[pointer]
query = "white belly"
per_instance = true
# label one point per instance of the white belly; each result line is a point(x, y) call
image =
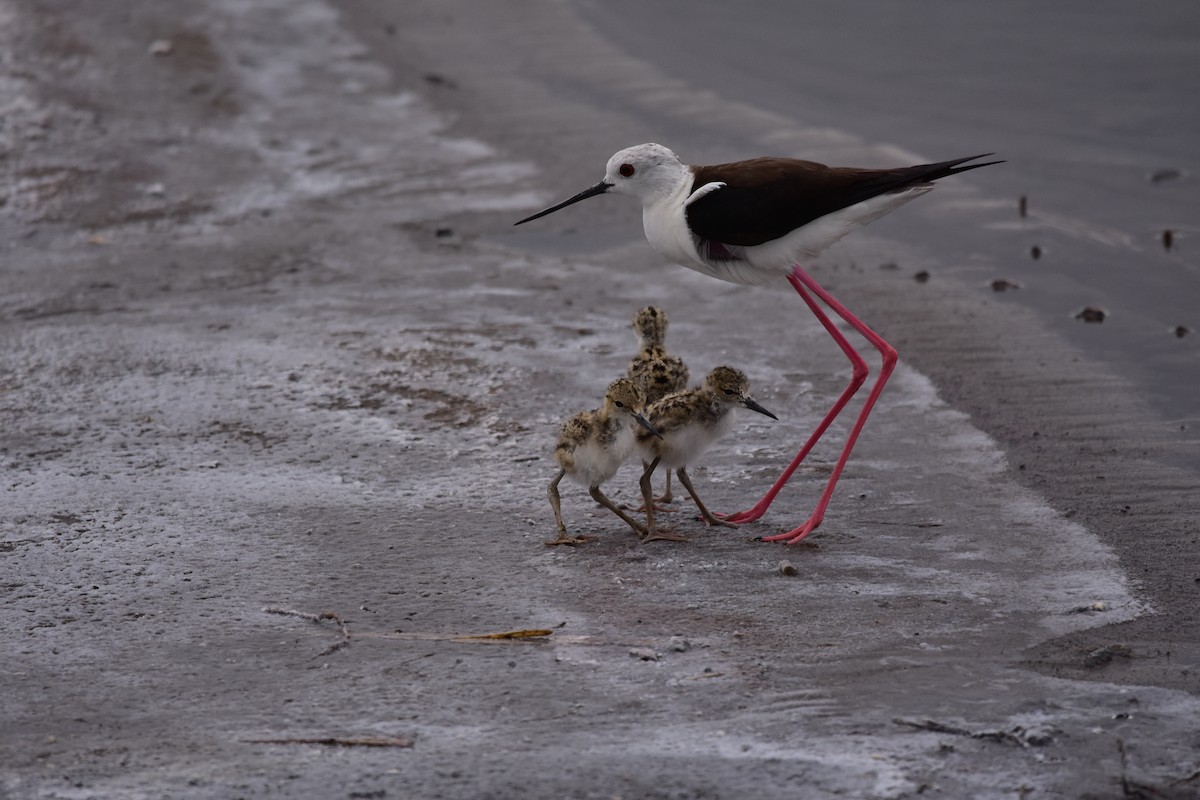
point(684, 445)
point(778, 256)
point(595, 464)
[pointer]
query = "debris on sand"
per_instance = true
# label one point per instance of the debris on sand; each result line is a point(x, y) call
point(317, 618)
point(1091, 314)
point(528, 633)
point(922, 276)
point(1169, 174)
point(1099, 605)
point(1003, 285)
point(434, 79)
point(1037, 736)
point(1102, 656)
point(644, 653)
point(342, 741)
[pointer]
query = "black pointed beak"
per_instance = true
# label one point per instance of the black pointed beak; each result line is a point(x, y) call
point(599, 188)
point(753, 405)
point(645, 423)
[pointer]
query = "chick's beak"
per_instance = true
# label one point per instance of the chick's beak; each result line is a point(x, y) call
point(752, 404)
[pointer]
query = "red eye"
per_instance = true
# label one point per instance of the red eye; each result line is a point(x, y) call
point(627, 170)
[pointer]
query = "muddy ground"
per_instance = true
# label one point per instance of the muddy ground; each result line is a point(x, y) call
point(270, 349)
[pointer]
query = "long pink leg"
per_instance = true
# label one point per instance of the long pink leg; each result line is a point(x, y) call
point(800, 280)
point(856, 381)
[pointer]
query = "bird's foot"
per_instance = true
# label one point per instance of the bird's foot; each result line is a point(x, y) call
point(796, 535)
point(660, 535)
point(718, 521)
point(570, 540)
point(742, 517)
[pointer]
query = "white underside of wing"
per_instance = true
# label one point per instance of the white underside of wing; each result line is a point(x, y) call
point(780, 255)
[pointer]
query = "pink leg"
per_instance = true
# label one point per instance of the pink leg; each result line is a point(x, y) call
point(856, 381)
point(800, 280)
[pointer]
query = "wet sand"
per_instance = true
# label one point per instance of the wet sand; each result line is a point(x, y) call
point(272, 345)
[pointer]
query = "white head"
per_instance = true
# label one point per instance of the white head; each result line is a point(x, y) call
point(646, 171)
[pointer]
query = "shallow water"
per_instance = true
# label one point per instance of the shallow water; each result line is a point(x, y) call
point(1087, 102)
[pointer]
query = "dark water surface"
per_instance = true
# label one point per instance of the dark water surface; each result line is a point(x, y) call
point(1092, 104)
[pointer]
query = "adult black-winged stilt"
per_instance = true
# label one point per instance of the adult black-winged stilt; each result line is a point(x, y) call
point(752, 221)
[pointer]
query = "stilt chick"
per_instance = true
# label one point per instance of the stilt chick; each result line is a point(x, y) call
point(655, 370)
point(689, 422)
point(592, 446)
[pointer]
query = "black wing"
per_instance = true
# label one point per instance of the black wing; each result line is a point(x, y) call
point(766, 198)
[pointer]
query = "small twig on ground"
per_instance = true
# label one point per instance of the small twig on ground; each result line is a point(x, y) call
point(287, 612)
point(1124, 767)
point(342, 741)
point(931, 725)
point(1024, 737)
point(338, 645)
point(317, 618)
point(524, 634)
point(333, 648)
point(1187, 779)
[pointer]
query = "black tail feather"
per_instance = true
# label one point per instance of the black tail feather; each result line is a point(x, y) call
point(931, 172)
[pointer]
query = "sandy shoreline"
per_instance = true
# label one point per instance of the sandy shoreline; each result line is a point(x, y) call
point(272, 343)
